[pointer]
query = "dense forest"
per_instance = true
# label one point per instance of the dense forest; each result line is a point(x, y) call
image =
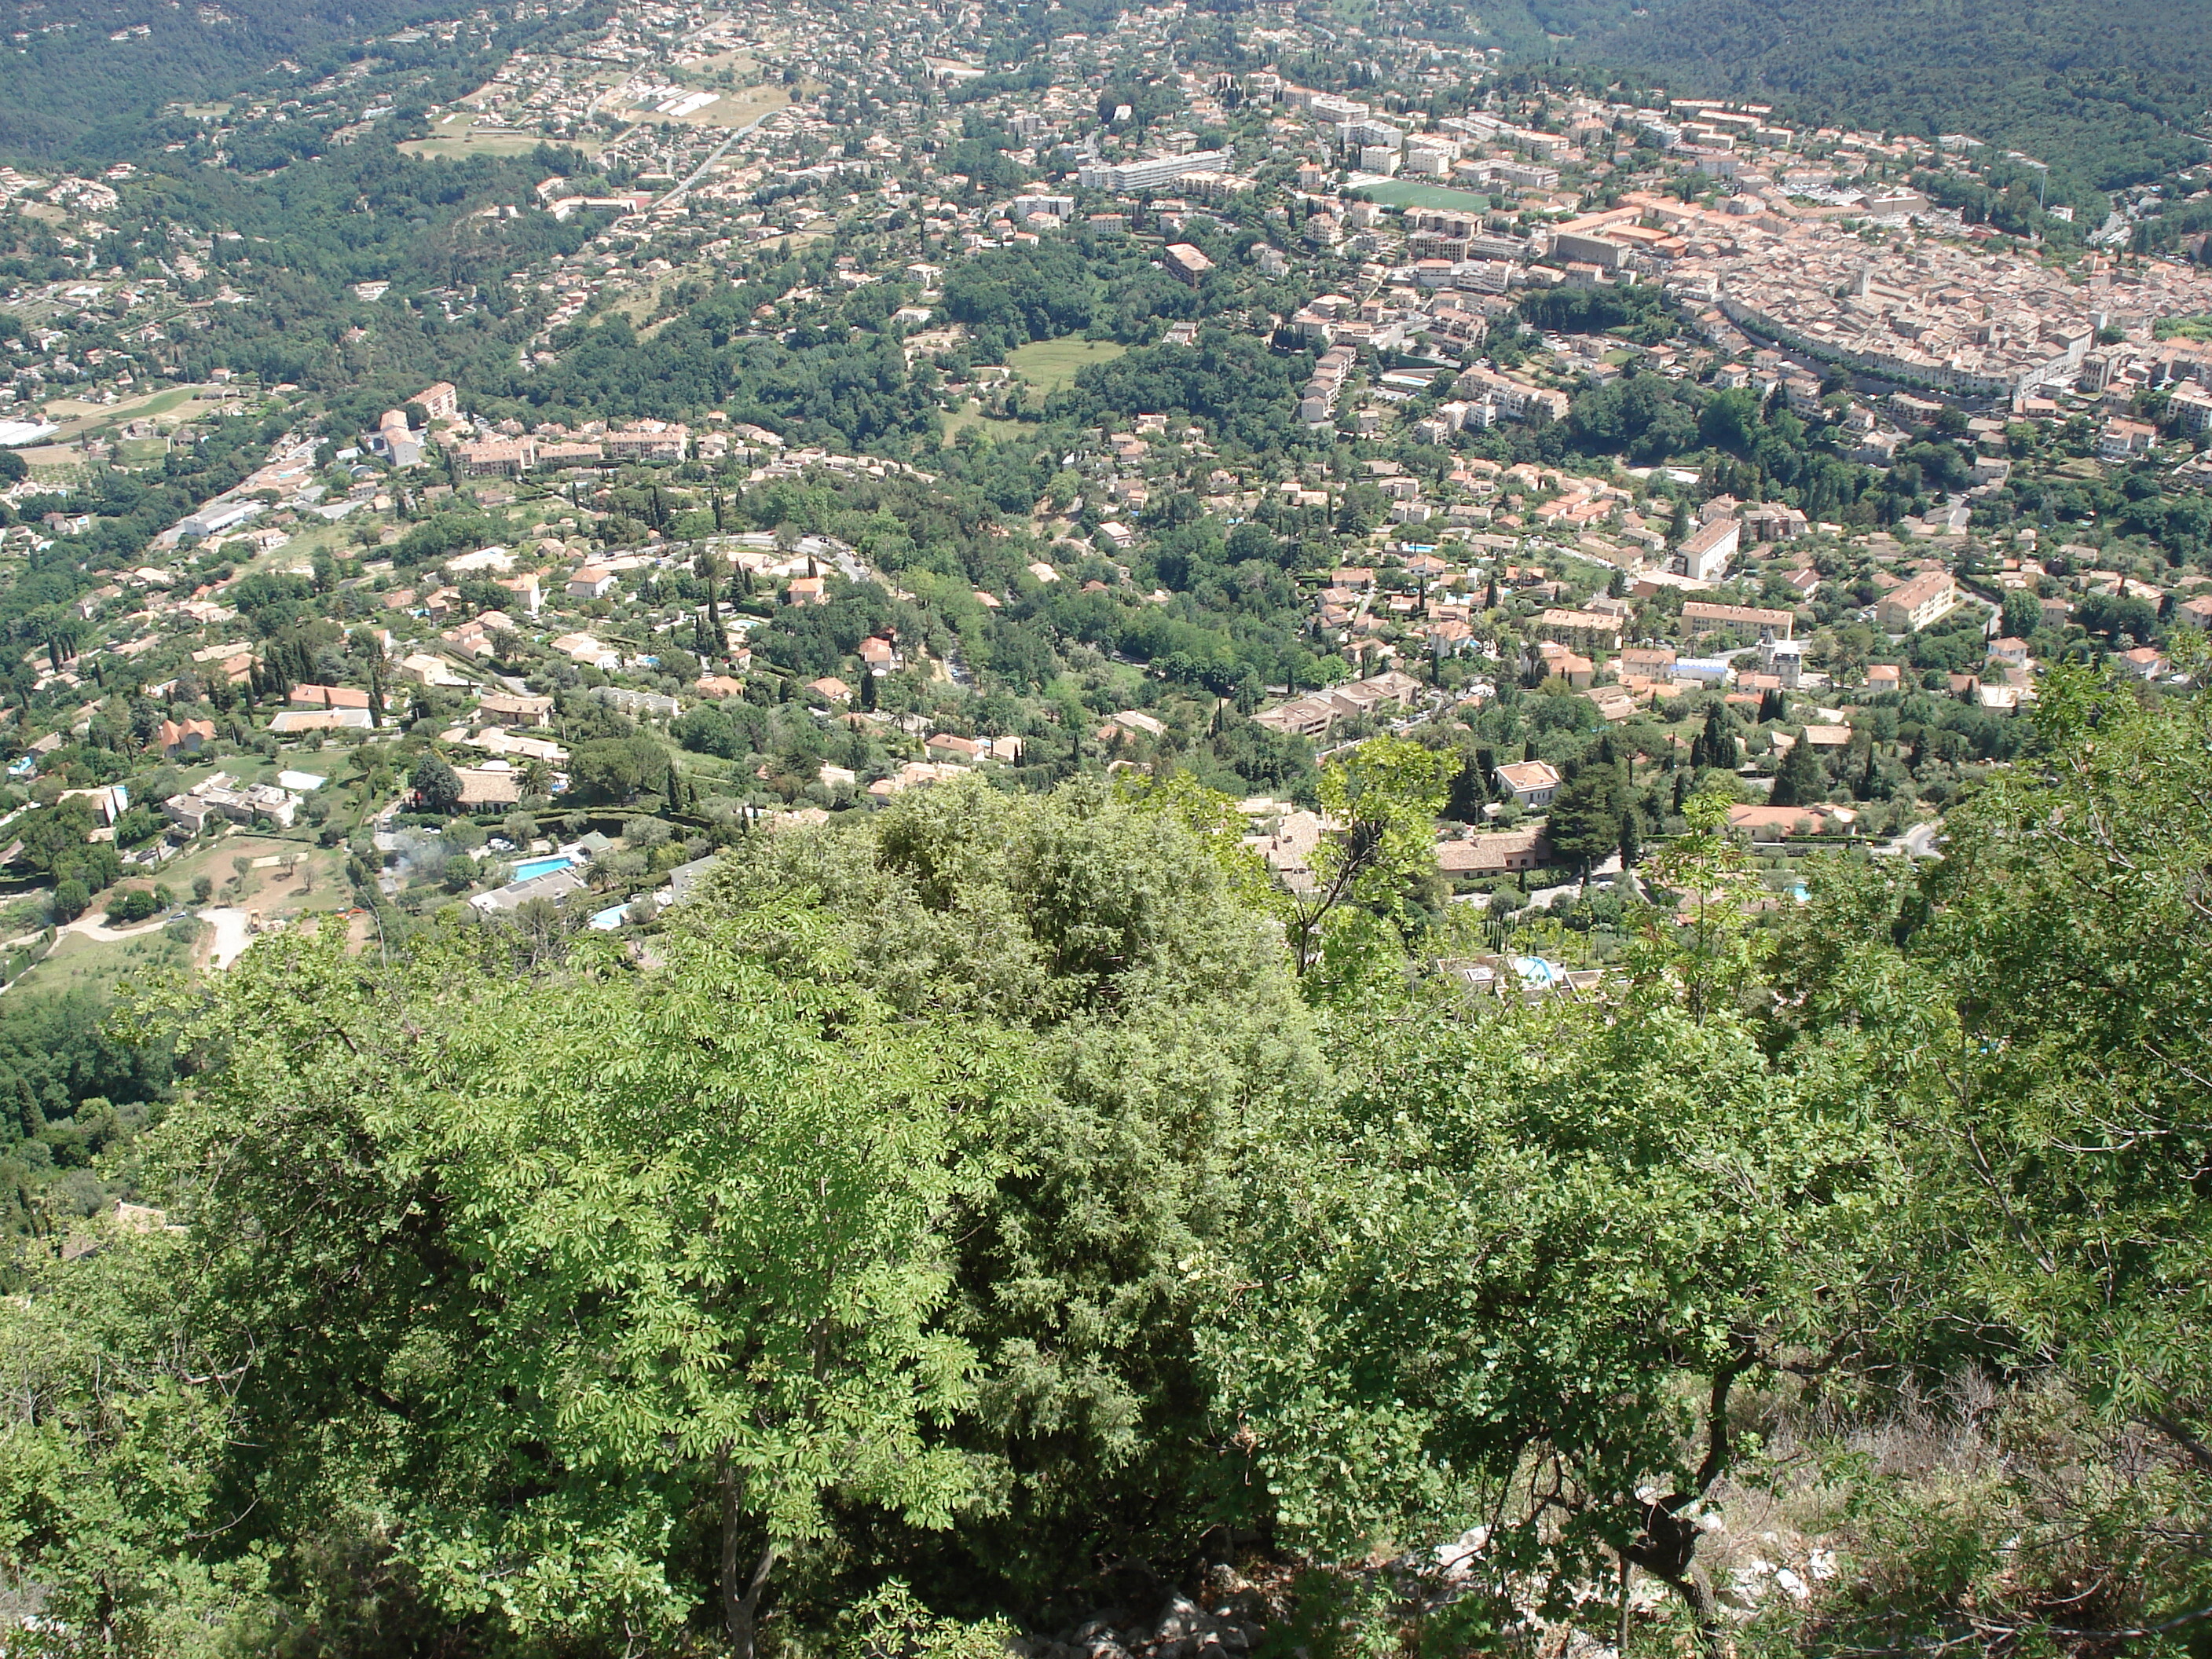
point(2110, 95)
point(92, 77)
point(1000, 1209)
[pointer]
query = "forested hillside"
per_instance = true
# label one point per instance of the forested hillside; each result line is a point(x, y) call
point(1018, 1198)
point(88, 77)
point(2113, 94)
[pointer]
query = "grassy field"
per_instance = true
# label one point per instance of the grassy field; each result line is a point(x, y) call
point(463, 145)
point(1404, 193)
point(79, 420)
point(968, 416)
point(1050, 365)
point(76, 963)
point(643, 300)
point(52, 458)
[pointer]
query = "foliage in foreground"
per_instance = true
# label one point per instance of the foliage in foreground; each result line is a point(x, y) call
point(967, 1214)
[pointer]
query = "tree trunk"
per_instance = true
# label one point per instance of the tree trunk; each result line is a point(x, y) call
point(1667, 1544)
point(1712, 1636)
point(740, 1607)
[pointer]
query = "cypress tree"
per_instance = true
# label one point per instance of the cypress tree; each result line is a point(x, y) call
point(1718, 742)
point(1801, 782)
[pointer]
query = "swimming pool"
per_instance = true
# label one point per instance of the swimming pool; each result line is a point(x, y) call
point(1534, 970)
point(530, 869)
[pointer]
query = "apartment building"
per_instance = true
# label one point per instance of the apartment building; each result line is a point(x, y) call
point(1928, 598)
point(1124, 178)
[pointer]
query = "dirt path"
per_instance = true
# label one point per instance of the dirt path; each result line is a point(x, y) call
point(92, 924)
point(231, 937)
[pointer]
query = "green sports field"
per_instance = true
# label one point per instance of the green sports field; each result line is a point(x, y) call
point(1404, 193)
point(1048, 365)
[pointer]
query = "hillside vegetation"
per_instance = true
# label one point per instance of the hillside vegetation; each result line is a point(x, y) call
point(2113, 94)
point(982, 1199)
point(90, 77)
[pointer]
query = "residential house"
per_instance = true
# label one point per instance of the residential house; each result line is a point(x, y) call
point(583, 648)
point(557, 885)
point(420, 668)
point(485, 788)
point(2121, 440)
point(222, 797)
point(1774, 823)
point(1613, 702)
point(1496, 855)
point(516, 711)
point(1531, 783)
point(1314, 714)
point(950, 746)
point(2143, 663)
point(306, 696)
point(290, 722)
point(179, 737)
point(1136, 722)
point(234, 662)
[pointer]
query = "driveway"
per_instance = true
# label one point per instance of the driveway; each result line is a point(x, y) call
point(1916, 843)
point(93, 925)
point(231, 937)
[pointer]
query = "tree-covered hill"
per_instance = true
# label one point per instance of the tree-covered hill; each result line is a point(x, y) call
point(85, 77)
point(2110, 92)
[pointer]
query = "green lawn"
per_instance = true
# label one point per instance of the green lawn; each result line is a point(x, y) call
point(80, 420)
point(162, 402)
point(992, 426)
point(76, 963)
point(464, 145)
point(1404, 193)
point(1048, 365)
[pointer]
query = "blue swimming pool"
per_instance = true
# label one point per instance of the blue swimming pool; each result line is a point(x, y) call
point(530, 869)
